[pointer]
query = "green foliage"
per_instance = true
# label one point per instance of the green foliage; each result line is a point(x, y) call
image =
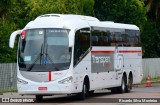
point(110, 10)
point(122, 11)
point(18, 13)
point(135, 13)
point(39, 7)
point(150, 40)
point(6, 54)
point(4, 4)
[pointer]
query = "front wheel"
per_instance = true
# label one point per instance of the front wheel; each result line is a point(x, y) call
point(83, 94)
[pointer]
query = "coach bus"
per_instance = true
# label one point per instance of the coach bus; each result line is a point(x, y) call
point(74, 54)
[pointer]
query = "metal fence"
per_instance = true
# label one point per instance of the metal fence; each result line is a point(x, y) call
point(8, 73)
point(151, 67)
point(8, 76)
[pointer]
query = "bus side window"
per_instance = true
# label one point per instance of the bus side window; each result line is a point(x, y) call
point(82, 44)
point(94, 40)
point(100, 40)
point(107, 40)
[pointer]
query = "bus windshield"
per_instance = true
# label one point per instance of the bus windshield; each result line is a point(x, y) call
point(44, 50)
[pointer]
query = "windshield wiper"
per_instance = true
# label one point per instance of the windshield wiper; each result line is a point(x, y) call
point(39, 57)
point(47, 55)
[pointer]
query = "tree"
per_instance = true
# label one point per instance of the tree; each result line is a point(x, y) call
point(123, 11)
point(153, 7)
point(4, 4)
point(150, 40)
point(39, 7)
point(6, 54)
point(150, 35)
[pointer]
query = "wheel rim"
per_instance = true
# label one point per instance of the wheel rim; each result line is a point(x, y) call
point(123, 86)
point(84, 89)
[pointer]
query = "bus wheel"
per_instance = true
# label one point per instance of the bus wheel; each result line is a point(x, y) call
point(82, 95)
point(129, 85)
point(122, 88)
point(39, 98)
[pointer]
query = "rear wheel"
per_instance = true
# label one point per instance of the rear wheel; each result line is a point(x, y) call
point(39, 98)
point(129, 85)
point(122, 88)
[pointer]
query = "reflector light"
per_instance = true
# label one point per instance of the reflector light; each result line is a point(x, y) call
point(23, 34)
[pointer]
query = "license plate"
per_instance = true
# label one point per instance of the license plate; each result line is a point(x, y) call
point(42, 88)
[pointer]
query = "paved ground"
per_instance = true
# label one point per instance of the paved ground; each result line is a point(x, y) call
point(100, 97)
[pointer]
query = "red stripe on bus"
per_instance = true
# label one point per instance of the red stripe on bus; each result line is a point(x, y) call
point(130, 51)
point(120, 51)
point(102, 51)
point(50, 76)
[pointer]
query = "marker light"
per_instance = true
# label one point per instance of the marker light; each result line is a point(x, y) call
point(23, 35)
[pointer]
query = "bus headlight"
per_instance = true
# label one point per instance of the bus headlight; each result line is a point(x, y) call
point(20, 81)
point(66, 80)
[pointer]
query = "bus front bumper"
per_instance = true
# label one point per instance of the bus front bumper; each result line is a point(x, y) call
point(45, 89)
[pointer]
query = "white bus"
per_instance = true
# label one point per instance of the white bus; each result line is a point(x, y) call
point(74, 54)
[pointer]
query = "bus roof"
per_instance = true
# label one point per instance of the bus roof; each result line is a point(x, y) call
point(69, 17)
point(73, 21)
point(110, 24)
point(58, 20)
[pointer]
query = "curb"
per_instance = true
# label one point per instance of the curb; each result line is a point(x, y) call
point(143, 83)
point(152, 82)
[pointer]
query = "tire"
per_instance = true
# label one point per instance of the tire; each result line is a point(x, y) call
point(129, 85)
point(122, 88)
point(39, 98)
point(83, 94)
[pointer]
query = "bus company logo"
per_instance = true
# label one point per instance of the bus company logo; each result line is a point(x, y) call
point(5, 100)
point(119, 62)
point(101, 59)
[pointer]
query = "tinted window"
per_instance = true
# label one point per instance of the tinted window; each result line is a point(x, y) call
point(113, 36)
point(82, 44)
point(44, 50)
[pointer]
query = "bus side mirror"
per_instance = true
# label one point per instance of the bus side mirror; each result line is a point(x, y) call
point(13, 37)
